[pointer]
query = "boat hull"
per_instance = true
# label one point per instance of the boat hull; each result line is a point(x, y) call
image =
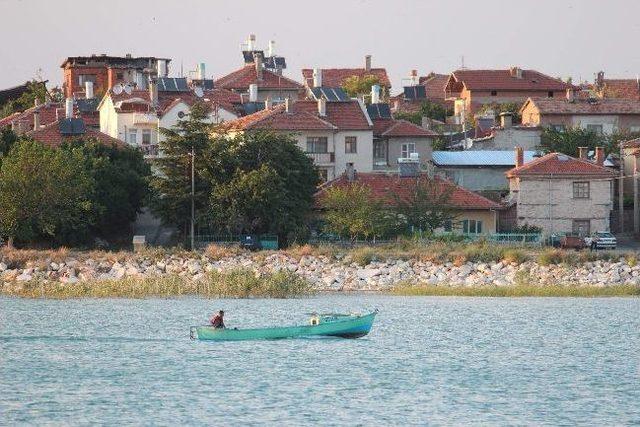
point(350, 327)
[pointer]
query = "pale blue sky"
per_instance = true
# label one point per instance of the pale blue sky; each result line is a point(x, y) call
point(558, 37)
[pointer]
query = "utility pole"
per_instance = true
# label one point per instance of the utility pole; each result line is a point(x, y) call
point(636, 208)
point(193, 196)
point(621, 191)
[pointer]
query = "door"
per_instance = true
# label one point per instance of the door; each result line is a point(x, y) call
point(581, 227)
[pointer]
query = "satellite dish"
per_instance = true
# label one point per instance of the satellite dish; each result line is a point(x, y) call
point(198, 91)
point(117, 89)
point(128, 89)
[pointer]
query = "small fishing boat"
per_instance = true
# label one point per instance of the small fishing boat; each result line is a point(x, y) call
point(326, 324)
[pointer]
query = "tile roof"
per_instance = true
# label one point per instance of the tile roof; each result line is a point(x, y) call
point(558, 165)
point(303, 115)
point(502, 80)
point(633, 143)
point(399, 128)
point(335, 77)
point(49, 113)
point(435, 85)
point(620, 89)
point(50, 135)
point(384, 186)
point(243, 77)
point(490, 158)
point(584, 106)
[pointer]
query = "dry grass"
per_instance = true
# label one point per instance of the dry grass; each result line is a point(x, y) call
point(522, 290)
point(218, 252)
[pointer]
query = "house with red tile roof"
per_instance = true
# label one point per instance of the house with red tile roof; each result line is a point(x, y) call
point(616, 88)
point(135, 116)
point(336, 77)
point(67, 130)
point(270, 85)
point(49, 112)
point(603, 116)
point(335, 135)
point(562, 194)
point(419, 89)
point(476, 214)
point(472, 89)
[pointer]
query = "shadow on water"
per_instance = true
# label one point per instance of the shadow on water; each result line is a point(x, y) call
point(82, 339)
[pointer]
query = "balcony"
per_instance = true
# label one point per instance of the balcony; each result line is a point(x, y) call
point(145, 119)
point(149, 151)
point(322, 158)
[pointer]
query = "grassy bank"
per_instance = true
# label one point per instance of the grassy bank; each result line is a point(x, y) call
point(519, 291)
point(231, 284)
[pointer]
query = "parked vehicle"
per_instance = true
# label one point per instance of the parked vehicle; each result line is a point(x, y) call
point(572, 242)
point(251, 243)
point(604, 240)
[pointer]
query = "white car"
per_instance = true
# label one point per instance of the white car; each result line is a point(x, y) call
point(604, 240)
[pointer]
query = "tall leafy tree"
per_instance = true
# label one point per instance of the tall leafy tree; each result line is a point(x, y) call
point(360, 85)
point(172, 182)
point(261, 183)
point(567, 141)
point(426, 205)
point(35, 90)
point(43, 192)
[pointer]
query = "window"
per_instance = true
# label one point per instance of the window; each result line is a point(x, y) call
point(146, 137)
point(494, 93)
point(132, 137)
point(634, 129)
point(448, 226)
point(471, 226)
point(407, 149)
point(558, 128)
point(597, 129)
point(550, 94)
point(581, 227)
point(580, 190)
point(119, 76)
point(380, 151)
point(317, 144)
point(350, 144)
point(324, 175)
point(83, 78)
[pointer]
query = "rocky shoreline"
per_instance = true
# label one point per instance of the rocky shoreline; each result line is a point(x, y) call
point(325, 274)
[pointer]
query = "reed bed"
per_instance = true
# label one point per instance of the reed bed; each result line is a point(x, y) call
point(518, 291)
point(238, 283)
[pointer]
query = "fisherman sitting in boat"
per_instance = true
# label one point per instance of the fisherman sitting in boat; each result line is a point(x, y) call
point(217, 321)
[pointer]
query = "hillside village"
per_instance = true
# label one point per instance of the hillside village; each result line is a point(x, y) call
point(478, 133)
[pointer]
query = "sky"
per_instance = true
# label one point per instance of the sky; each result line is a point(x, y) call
point(561, 38)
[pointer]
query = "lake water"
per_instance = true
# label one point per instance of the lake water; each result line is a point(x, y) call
point(428, 361)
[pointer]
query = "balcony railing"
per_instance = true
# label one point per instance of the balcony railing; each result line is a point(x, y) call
point(145, 118)
point(149, 150)
point(322, 158)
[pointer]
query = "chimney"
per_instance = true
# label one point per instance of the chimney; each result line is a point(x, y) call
point(272, 47)
point(68, 108)
point(36, 101)
point(414, 78)
point(506, 120)
point(287, 105)
point(375, 94)
point(582, 152)
point(201, 71)
point(515, 72)
point(317, 77)
point(153, 92)
point(257, 59)
point(600, 80)
point(350, 172)
point(162, 68)
point(251, 42)
point(599, 156)
point(267, 103)
point(519, 157)
point(253, 92)
point(570, 95)
point(426, 123)
point(88, 90)
point(367, 63)
point(141, 81)
point(322, 107)
point(36, 120)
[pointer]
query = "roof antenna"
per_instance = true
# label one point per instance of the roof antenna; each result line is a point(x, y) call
point(181, 68)
point(462, 63)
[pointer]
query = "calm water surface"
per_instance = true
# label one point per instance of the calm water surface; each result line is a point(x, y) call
point(428, 361)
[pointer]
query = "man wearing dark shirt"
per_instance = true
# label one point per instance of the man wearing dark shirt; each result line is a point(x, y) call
point(217, 321)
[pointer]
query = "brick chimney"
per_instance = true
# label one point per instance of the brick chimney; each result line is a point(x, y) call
point(257, 59)
point(506, 120)
point(268, 104)
point(519, 157)
point(287, 105)
point(599, 156)
point(582, 152)
point(36, 120)
point(322, 107)
point(571, 97)
point(515, 72)
point(367, 63)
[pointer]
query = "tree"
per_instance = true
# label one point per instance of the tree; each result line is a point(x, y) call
point(360, 85)
point(426, 206)
point(353, 212)
point(567, 141)
point(121, 185)
point(504, 107)
point(43, 192)
point(7, 139)
point(172, 184)
point(427, 109)
point(261, 182)
point(35, 90)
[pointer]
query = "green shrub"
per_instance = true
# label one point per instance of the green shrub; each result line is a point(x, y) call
point(514, 256)
point(364, 256)
point(550, 256)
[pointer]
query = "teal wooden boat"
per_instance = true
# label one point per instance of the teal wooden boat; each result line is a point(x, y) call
point(330, 324)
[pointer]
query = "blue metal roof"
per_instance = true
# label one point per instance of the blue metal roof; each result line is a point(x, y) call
point(498, 158)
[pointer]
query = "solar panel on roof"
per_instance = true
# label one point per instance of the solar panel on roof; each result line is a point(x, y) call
point(252, 107)
point(379, 111)
point(71, 126)
point(208, 84)
point(248, 55)
point(330, 93)
point(415, 92)
point(173, 84)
